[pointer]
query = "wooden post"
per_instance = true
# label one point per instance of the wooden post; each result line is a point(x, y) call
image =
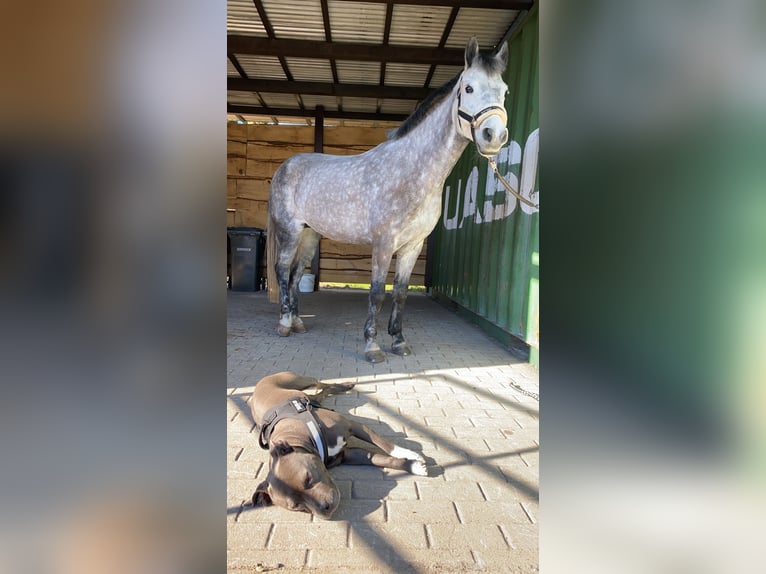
point(318, 148)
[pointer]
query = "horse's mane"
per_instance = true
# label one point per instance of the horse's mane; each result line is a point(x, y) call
point(431, 101)
point(491, 64)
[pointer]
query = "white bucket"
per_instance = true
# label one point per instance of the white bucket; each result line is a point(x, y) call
point(307, 283)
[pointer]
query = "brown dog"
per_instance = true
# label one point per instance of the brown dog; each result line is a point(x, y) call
point(304, 440)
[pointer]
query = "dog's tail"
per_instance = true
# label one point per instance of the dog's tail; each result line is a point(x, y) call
point(271, 259)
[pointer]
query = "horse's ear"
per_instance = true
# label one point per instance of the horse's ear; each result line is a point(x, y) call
point(502, 55)
point(471, 51)
point(261, 495)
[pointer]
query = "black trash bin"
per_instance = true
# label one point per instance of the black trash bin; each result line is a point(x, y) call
point(246, 250)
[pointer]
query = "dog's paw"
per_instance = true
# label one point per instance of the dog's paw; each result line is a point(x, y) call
point(408, 454)
point(419, 468)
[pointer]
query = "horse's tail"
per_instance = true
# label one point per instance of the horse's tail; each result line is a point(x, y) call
point(271, 259)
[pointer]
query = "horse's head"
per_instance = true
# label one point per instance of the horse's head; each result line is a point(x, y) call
point(479, 106)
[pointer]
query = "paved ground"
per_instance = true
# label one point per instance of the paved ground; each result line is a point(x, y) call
point(456, 400)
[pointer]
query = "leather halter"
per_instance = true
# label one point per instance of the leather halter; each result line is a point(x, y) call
point(477, 119)
point(298, 408)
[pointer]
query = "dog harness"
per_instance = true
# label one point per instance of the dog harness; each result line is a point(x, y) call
point(300, 408)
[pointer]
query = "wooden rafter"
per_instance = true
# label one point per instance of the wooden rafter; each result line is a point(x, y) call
point(241, 44)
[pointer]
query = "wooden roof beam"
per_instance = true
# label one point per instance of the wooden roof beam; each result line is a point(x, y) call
point(495, 4)
point(244, 109)
point(327, 89)
point(240, 44)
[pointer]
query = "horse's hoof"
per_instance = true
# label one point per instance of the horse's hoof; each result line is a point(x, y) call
point(299, 328)
point(402, 349)
point(376, 356)
point(283, 331)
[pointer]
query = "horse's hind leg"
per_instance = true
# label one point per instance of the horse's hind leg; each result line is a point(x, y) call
point(381, 259)
point(288, 246)
point(405, 262)
point(307, 245)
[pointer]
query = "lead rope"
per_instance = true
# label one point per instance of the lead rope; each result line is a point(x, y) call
point(525, 391)
point(515, 193)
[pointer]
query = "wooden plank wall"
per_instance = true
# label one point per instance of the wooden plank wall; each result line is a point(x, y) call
point(255, 152)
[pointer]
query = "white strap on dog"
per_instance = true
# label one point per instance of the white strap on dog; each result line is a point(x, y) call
point(316, 436)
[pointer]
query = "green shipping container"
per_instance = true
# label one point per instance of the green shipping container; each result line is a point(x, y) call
point(485, 249)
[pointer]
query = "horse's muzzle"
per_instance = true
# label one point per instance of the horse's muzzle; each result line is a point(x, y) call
point(489, 132)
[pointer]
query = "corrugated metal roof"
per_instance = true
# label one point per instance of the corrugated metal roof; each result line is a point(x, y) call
point(329, 102)
point(267, 67)
point(299, 19)
point(360, 22)
point(487, 25)
point(333, 60)
point(243, 98)
point(406, 74)
point(359, 104)
point(310, 69)
point(398, 106)
point(242, 17)
point(279, 100)
point(414, 26)
point(350, 72)
point(444, 74)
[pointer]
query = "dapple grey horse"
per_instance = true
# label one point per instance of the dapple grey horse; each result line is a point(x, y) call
point(388, 197)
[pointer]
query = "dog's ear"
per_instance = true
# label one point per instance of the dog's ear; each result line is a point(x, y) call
point(281, 448)
point(261, 495)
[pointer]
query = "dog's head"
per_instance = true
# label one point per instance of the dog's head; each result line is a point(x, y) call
point(297, 480)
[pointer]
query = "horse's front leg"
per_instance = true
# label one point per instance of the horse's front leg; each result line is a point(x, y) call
point(405, 262)
point(381, 260)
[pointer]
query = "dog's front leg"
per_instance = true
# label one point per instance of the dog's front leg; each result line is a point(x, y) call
point(361, 456)
point(326, 390)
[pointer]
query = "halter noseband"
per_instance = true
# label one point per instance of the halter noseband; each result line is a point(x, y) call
point(478, 118)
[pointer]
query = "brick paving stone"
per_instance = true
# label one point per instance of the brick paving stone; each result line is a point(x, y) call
point(451, 400)
point(454, 490)
point(470, 471)
point(384, 489)
point(407, 535)
point(245, 560)
point(351, 509)
point(469, 432)
point(364, 560)
point(239, 489)
point(445, 536)
point(311, 535)
point(431, 512)
point(493, 512)
point(248, 535)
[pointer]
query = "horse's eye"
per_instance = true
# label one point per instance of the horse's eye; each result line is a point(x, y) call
point(469, 89)
point(307, 481)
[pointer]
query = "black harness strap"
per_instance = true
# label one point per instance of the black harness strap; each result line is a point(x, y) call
point(300, 408)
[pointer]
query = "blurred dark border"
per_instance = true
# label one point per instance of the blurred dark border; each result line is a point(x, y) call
point(112, 339)
point(112, 293)
point(652, 285)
